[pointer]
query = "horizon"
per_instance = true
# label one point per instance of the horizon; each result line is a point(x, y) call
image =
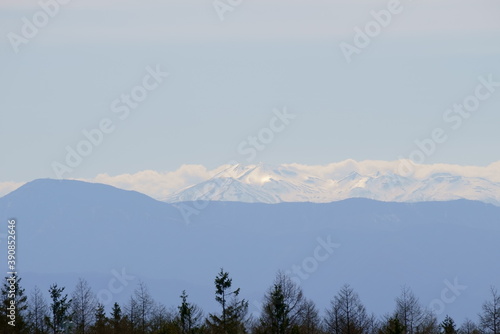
point(162, 185)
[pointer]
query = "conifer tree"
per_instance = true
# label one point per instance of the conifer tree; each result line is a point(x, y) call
point(59, 308)
point(189, 315)
point(448, 326)
point(285, 309)
point(13, 306)
point(232, 318)
point(392, 326)
point(101, 320)
point(116, 318)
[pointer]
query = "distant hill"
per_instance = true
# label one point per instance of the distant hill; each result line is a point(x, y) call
point(70, 229)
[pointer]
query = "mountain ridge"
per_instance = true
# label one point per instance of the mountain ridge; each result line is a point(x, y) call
point(399, 181)
point(286, 183)
point(71, 229)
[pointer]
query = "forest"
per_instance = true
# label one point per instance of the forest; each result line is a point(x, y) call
point(285, 310)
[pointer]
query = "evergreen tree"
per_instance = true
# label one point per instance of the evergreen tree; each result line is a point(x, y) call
point(392, 326)
point(100, 325)
point(13, 317)
point(284, 306)
point(232, 318)
point(277, 319)
point(448, 326)
point(59, 308)
point(189, 316)
point(116, 318)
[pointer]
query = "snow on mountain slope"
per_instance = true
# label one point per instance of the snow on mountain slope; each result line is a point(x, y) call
point(349, 179)
point(398, 181)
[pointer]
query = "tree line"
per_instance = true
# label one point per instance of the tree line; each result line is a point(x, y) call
point(285, 310)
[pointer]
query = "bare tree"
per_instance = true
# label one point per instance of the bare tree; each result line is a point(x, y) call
point(83, 306)
point(131, 315)
point(415, 318)
point(408, 310)
point(310, 320)
point(489, 319)
point(429, 323)
point(468, 327)
point(144, 306)
point(38, 312)
point(332, 322)
point(347, 315)
point(160, 319)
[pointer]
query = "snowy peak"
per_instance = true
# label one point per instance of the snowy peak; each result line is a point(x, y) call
point(349, 179)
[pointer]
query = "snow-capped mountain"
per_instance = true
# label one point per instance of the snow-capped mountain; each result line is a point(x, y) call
point(390, 181)
point(349, 179)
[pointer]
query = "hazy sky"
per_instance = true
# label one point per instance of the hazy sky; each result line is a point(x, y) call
point(228, 79)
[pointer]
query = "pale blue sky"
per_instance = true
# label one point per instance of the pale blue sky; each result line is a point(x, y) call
point(227, 77)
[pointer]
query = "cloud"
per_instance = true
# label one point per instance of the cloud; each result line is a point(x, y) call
point(156, 184)
point(160, 185)
point(371, 167)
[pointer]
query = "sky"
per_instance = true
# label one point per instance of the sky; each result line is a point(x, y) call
point(273, 81)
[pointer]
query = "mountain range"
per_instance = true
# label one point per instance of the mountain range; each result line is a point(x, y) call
point(387, 181)
point(68, 229)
